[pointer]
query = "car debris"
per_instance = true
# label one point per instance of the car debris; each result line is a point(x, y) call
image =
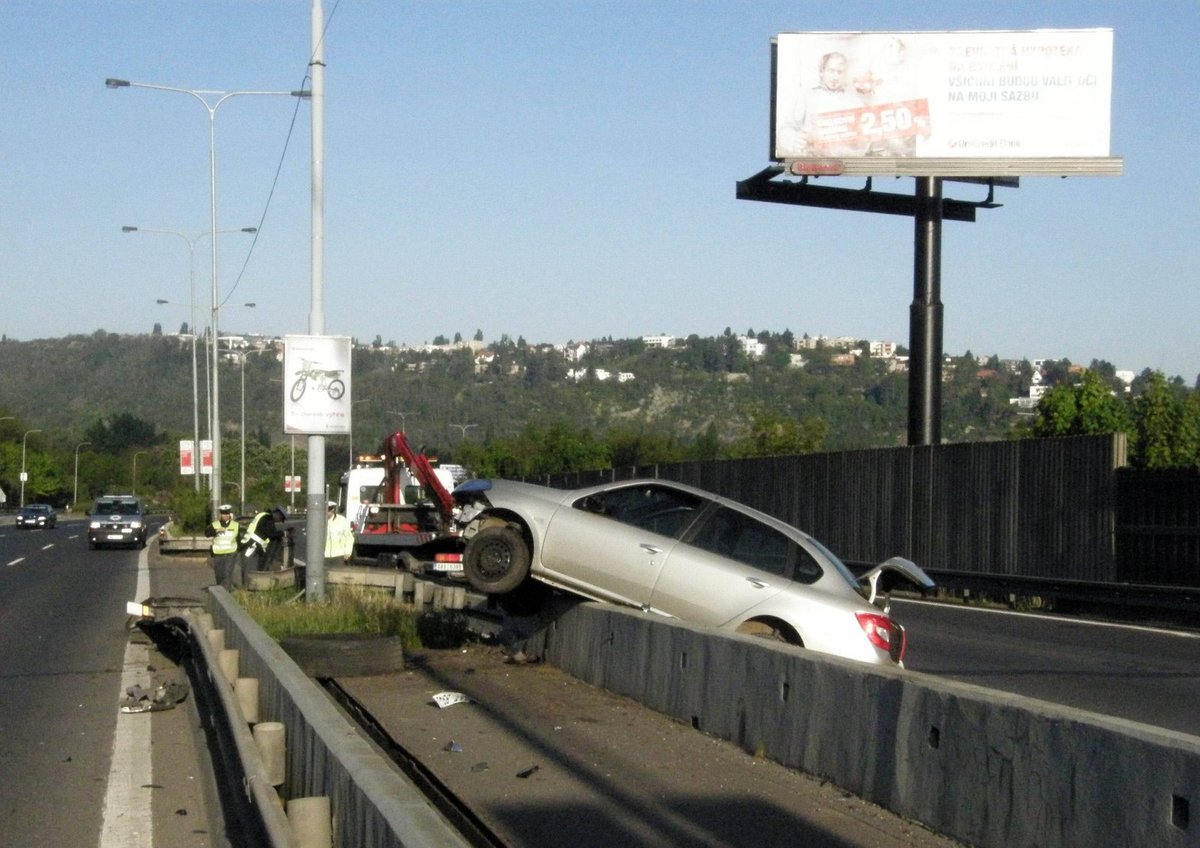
point(165, 696)
point(449, 699)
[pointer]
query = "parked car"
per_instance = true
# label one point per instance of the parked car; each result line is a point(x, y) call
point(679, 551)
point(37, 515)
point(117, 520)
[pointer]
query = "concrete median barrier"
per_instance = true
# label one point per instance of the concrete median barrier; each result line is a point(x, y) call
point(982, 766)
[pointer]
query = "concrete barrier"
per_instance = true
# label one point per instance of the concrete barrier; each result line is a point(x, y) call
point(985, 767)
point(982, 766)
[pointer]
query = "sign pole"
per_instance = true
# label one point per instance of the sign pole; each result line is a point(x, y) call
point(925, 318)
point(314, 582)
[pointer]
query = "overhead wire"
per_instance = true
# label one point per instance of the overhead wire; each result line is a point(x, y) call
point(282, 158)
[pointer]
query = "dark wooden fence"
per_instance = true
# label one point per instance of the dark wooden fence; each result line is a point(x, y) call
point(1051, 509)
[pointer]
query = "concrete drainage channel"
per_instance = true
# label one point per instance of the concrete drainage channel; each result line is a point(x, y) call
point(984, 767)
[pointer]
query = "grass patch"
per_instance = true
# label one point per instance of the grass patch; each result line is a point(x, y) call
point(352, 609)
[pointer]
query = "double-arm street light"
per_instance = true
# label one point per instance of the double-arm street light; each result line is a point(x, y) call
point(202, 96)
point(23, 474)
point(191, 244)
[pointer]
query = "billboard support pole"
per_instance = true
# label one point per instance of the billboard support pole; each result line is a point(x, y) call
point(925, 318)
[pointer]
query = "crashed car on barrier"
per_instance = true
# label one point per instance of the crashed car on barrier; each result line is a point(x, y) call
point(675, 550)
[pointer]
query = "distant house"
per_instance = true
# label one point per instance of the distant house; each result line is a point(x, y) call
point(752, 347)
point(658, 341)
point(883, 350)
point(576, 351)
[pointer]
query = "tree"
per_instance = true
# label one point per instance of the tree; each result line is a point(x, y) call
point(479, 335)
point(773, 434)
point(122, 432)
point(1088, 408)
point(1156, 414)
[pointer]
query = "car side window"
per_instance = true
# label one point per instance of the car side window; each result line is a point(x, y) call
point(659, 509)
point(740, 537)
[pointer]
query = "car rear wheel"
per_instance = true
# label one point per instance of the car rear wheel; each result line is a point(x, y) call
point(496, 560)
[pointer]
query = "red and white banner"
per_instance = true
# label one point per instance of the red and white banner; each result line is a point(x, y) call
point(187, 457)
point(206, 456)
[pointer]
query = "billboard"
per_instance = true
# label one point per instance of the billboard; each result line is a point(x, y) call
point(316, 385)
point(943, 103)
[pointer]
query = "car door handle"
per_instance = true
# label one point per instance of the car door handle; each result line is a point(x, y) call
point(649, 548)
point(756, 583)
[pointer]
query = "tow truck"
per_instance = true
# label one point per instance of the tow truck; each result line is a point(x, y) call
point(411, 522)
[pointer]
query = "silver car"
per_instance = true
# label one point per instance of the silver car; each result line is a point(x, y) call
point(679, 551)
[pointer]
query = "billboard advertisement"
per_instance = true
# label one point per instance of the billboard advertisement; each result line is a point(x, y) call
point(945, 103)
point(316, 385)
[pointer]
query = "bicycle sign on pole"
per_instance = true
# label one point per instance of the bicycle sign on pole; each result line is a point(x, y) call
point(317, 384)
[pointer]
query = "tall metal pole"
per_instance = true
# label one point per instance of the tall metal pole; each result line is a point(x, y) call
point(23, 474)
point(75, 492)
point(211, 108)
point(314, 583)
point(925, 318)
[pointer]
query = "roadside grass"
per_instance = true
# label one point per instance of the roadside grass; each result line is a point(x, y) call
point(353, 610)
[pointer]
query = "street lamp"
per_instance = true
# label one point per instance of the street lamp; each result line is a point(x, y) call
point(23, 475)
point(191, 245)
point(75, 494)
point(403, 420)
point(211, 108)
point(136, 454)
point(463, 428)
point(353, 404)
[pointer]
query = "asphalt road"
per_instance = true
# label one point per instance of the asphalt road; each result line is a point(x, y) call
point(1138, 673)
point(77, 771)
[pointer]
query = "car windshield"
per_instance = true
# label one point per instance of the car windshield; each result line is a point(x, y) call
point(117, 507)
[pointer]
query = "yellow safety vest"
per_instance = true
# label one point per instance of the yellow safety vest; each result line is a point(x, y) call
point(254, 537)
point(226, 539)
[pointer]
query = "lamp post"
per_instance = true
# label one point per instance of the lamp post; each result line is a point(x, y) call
point(211, 108)
point(23, 475)
point(353, 404)
point(191, 245)
point(403, 420)
point(75, 493)
point(463, 428)
point(136, 454)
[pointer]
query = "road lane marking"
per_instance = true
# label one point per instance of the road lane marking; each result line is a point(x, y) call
point(15, 561)
point(47, 547)
point(1061, 619)
point(128, 817)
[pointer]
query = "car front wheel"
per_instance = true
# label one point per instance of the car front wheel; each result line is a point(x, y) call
point(496, 560)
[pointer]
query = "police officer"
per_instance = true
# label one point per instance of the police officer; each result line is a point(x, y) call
point(226, 564)
point(264, 531)
point(339, 537)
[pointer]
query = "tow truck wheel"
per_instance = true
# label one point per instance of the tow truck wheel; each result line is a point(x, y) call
point(496, 560)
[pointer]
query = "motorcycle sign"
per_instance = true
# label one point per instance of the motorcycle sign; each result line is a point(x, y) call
point(316, 383)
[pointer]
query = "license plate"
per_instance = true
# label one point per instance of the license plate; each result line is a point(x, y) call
point(447, 566)
point(117, 536)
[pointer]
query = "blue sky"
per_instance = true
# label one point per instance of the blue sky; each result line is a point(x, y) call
point(558, 171)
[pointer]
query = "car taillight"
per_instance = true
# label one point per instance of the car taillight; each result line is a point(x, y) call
point(883, 633)
point(447, 557)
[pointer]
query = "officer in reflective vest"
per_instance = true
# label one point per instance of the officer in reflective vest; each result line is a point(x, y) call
point(226, 565)
point(264, 531)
